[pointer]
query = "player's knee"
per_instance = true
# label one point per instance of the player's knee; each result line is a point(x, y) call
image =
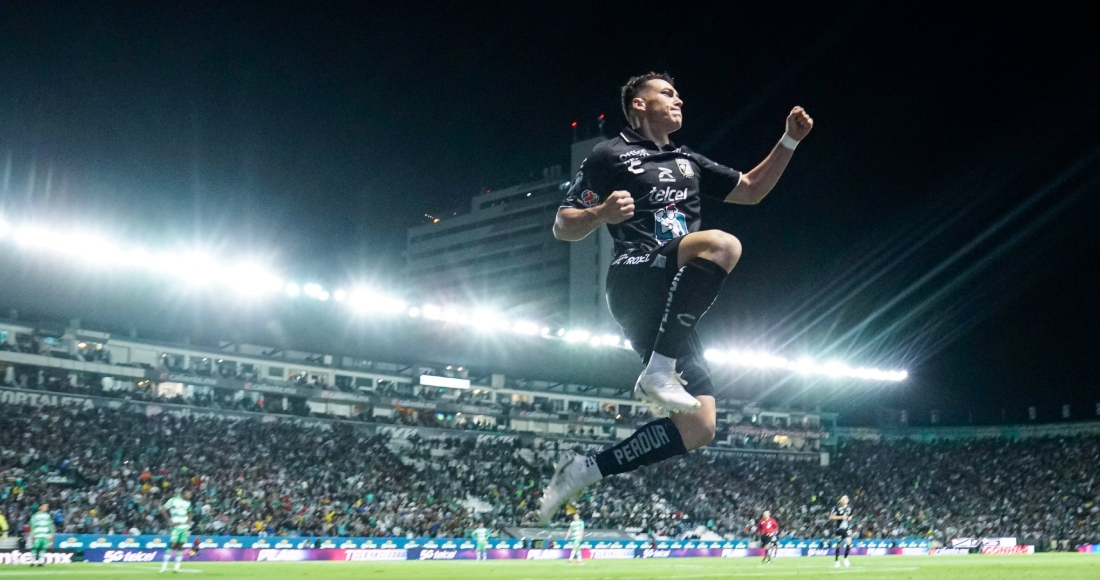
point(719, 247)
point(700, 434)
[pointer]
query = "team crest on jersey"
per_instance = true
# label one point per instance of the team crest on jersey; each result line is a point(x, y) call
point(669, 224)
point(588, 198)
point(685, 168)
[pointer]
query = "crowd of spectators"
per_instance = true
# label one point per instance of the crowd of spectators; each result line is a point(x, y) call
point(105, 471)
point(744, 435)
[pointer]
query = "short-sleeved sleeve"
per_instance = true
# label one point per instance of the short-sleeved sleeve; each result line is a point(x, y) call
point(589, 187)
point(715, 180)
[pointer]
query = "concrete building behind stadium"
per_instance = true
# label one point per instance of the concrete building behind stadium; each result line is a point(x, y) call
point(502, 254)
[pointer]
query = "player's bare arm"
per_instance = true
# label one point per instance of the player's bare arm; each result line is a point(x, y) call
point(572, 225)
point(758, 183)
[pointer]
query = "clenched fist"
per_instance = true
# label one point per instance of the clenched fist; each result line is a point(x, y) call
point(617, 208)
point(799, 124)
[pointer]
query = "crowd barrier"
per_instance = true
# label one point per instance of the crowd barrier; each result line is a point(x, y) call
point(404, 554)
point(154, 542)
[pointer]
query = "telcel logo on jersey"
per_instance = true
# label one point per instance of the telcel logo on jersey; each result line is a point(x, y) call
point(668, 194)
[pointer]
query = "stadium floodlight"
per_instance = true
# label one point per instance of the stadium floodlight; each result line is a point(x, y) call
point(486, 320)
point(804, 366)
point(194, 268)
point(253, 280)
point(136, 258)
point(526, 327)
point(367, 301)
point(577, 335)
point(32, 237)
point(94, 248)
point(455, 316)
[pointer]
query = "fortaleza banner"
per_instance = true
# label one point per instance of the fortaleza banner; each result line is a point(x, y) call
point(395, 555)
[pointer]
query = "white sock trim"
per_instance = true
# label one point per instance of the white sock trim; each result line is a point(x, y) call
point(660, 363)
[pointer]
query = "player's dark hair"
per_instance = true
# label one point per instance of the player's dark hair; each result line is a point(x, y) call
point(635, 85)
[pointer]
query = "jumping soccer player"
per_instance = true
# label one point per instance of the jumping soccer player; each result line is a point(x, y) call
point(481, 537)
point(768, 530)
point(842, 515)
point(177, 510)
point(666, 273)
point(575, 536)
point(42, 533)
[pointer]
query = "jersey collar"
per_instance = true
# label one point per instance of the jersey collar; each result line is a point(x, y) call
point(632, 137)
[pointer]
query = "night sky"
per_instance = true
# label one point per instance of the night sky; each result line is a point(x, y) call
point(941, 216)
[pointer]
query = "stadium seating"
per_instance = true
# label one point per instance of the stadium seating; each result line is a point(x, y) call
point(108, 470)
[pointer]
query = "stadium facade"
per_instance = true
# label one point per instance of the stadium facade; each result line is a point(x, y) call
point(503, 254)
point(270, 380)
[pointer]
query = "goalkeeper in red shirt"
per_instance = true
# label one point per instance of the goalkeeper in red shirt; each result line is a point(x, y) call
point(768, 530)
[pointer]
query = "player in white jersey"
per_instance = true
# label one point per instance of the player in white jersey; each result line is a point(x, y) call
point(575, 536)
point(177, 510)
point(481, 538)
point(42, 534)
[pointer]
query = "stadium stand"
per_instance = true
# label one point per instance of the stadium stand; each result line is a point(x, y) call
point(107, 469)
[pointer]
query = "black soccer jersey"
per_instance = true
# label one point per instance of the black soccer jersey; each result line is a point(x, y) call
point(845, 511)
point(665, 182)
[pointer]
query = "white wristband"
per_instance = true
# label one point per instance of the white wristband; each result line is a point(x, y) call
point(788, 142)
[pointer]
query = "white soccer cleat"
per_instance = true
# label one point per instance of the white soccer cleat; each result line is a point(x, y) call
point(567, 482)
point(836, 563)
point(847, 563)
point(666, 391)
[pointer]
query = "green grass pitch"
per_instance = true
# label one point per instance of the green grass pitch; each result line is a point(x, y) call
point(1044, 566)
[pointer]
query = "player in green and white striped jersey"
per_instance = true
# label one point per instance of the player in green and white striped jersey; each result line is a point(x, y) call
point(481, 538)
point(177, 510)
point(42, 532)
point(575, 537)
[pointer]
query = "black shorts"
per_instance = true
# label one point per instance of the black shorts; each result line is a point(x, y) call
point(766, 540)
point(637, 294)
point(844, 534)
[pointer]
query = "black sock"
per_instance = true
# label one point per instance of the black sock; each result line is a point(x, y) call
point(692, 292)
point(655, 441)
point(846, 550)
point(837, 553)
